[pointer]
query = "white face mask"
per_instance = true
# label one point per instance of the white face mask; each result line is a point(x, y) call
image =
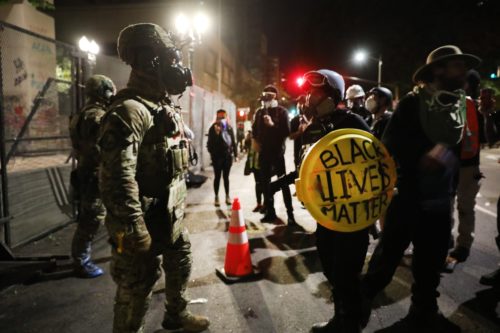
point(371, 104)
point(270, 104)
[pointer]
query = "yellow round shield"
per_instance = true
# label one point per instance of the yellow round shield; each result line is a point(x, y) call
point(346, 180)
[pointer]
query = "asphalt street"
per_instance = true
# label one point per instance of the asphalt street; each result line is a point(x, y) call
point(292, 292)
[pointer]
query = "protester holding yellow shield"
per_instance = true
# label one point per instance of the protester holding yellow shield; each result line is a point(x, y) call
point(342, 252)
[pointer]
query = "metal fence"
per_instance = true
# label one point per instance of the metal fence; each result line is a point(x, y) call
point(41, 85)
point(39, 91)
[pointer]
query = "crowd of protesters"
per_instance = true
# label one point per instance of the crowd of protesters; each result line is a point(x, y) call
point(434, 133)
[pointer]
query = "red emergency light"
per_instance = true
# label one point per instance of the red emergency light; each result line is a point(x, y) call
point(300, 81)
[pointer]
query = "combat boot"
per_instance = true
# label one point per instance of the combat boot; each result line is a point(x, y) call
point(88, 270)
point(185, 321)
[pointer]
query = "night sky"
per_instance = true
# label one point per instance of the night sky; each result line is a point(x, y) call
point(312, 34)
point(325, 33)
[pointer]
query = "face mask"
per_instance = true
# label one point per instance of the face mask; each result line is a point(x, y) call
point(270, 104)
point(326, 107)
point(371, 104)
point(223, 123)
point(354, 104)
point(443, 115)
point(174, 76)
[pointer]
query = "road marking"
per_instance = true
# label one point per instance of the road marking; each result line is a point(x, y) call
point(486, 211)
point(492, 157)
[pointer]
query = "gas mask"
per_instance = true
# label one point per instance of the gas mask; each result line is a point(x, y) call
point(173, 75)
point(371, 104)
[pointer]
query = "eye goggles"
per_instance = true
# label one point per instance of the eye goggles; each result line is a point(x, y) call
point(313, 79)
point(268, 94)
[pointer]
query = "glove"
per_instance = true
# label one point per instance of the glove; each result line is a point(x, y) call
point(134, 240)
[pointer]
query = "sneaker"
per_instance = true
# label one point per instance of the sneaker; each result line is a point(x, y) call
point(216, 202)
point(269, 218)
point(460, 253)
point(188, 322)
point(263, 209)
point(257, 208)
point(228, 200)
point(88, 270)
point(492, 279)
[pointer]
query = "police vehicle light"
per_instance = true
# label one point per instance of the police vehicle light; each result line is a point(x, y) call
point(300, 81)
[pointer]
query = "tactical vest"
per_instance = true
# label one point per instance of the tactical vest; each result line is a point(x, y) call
point(84, 139)
point(163, 154)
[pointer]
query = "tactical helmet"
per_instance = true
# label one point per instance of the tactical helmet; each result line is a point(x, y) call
point(325, 77)
point(354, 91)
point(383, 91)
point(99, 87)
point(141, 36)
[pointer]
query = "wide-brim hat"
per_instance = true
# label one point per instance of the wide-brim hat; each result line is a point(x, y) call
point(443, 54)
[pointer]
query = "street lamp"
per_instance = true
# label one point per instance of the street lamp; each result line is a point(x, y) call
point(191, 30)
point(361, 56)
point(90, 47)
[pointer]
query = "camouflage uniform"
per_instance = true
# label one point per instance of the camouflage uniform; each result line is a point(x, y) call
point(84, 131)
point(143, 165)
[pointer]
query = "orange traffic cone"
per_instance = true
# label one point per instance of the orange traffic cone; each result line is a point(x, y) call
point(238, 263)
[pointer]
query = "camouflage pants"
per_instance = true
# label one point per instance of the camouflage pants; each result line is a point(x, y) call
point(135, 276)
point(91, 214)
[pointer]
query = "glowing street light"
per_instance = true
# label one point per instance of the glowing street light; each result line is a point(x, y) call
point(90, 47)
point(94, 47)
point(84, 44)
point(201, 23)
point(182, 24)
point(191, 29)
point(361, 56)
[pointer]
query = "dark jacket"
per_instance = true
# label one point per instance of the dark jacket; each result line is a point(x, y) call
point(271, 139)
point(217, 147)
point(378, 126)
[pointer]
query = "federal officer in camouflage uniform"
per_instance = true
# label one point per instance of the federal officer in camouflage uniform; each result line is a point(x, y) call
point(84, 131)
point(143, 164)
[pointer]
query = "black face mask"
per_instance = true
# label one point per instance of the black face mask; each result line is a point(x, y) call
point(173, 75)
point(176, 78)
